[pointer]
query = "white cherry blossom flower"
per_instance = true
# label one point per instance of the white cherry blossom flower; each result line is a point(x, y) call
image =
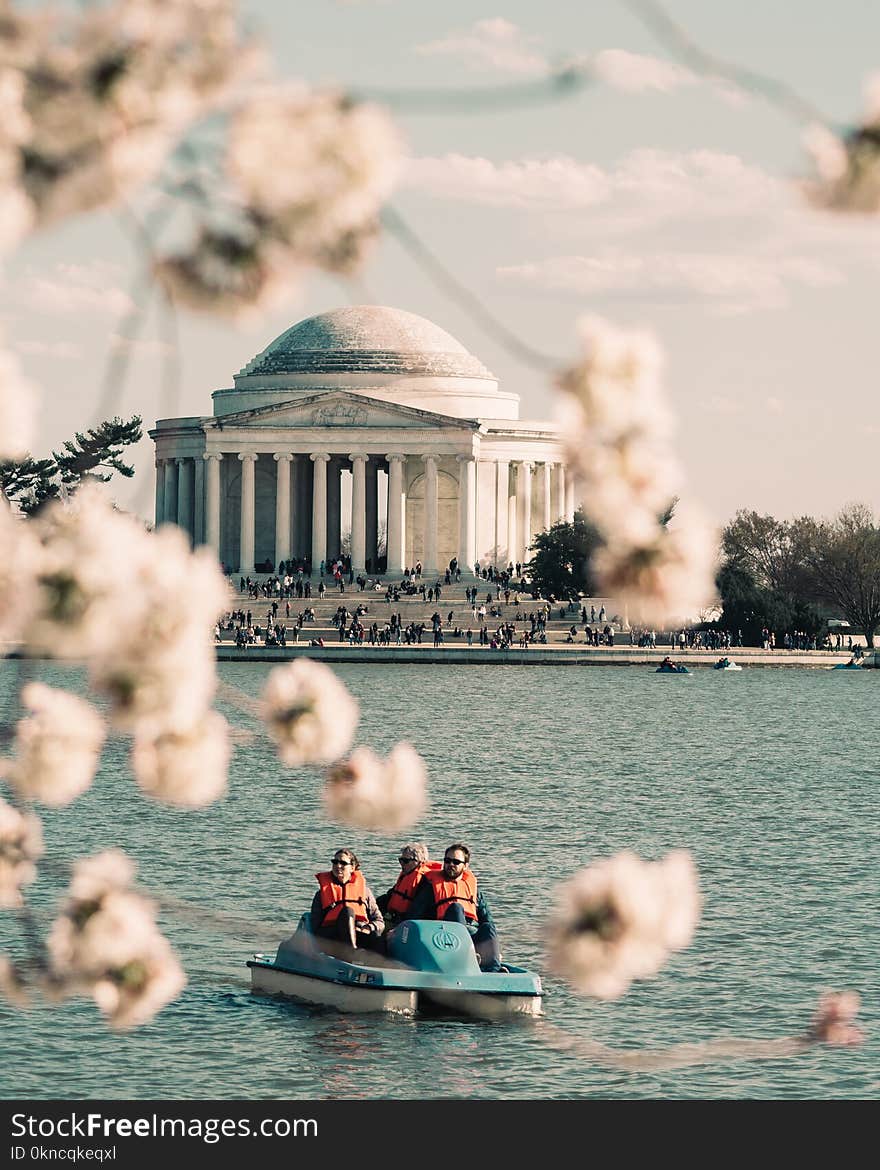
point(309, 712)
point(57, 747)
point(105, 943)
point(618, 440)
point(320, 209)
point(86, 550)
point(847, 164)
point(21, 844)
point(671, 576)
point(341, 161)
point(619, 920)
point(184, 768)
point(367, 792)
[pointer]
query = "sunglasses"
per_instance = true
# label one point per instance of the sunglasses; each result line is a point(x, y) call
point(402, 860)
point(340, 861)
point(453, 861)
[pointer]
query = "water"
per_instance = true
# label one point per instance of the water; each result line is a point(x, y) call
point(769, 777)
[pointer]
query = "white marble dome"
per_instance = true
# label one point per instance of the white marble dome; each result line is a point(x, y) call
point(380, 352)
point(367, 338)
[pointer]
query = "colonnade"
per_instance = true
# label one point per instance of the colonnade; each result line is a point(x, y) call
point(188, 493)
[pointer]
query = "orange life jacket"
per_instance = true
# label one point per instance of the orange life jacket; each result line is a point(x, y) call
point(404, 889)
point(334, 896)
point(463, 890)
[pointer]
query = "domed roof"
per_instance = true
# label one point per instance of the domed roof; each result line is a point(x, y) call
point(363, 338)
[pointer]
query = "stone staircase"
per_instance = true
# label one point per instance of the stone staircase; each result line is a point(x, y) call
point(412, 608)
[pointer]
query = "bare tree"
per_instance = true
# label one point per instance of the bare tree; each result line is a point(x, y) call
point(844, 564)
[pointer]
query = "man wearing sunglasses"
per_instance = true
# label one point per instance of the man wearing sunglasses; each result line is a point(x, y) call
point(396, 905)
point(452, 895)
point(344, 908)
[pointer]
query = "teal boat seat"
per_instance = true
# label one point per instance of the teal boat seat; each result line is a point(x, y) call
point(446, 947)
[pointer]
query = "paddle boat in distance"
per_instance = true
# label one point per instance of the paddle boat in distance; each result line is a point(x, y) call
point(667, 666)
point(726, 664)
point(853, 664)
point(429, 966)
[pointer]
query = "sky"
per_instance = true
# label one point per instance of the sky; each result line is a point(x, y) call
point(655, 197)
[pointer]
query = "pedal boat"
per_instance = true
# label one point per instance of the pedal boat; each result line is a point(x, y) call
point(671, 670)
point(430, 966)
point(726, 664)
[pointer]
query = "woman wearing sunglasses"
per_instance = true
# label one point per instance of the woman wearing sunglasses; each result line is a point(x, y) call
point(396, 905)
point(344, 908)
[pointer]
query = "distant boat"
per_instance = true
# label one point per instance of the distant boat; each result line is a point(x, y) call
point(726, 664)
point(671, 668)
point(851, 665)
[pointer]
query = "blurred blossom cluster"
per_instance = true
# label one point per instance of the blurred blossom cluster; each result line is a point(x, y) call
point(321, 208)
point(618, 441)
point(21, 844)
point(57, 746)
point(368, 792)
point(620, 918)
point(312, 718)
point(68, 565)
point(309, 713)
point(105, 943)
point(847, 167)
point(93, 99)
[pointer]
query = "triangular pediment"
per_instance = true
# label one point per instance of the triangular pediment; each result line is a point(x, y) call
point(343, 409)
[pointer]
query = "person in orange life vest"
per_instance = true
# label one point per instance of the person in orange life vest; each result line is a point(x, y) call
point(452, 894)
point(344, 908)
point(396, 904)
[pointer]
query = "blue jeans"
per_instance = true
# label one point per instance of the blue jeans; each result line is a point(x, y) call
point(483, 935)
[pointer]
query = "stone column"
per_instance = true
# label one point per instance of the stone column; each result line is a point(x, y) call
point(334, 504)
point(358, 511)
point(394, 538)
point(212, 501)
point(282, 507)
point(467, 512)
point(430, 540)
point(546, 503)
point(372, 517)
point(170, 495)
point(319, 509)
point(569, 499)
point(160, 492)
point(246, 545)
point(560, 491)
point(198, 501)
point(512, 537)
point(185, 495)
point(502, 479)
point(524, 508)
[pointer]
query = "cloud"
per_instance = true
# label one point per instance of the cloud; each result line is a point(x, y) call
point(140, 347)
point(637, 73)
point(550, 184)
point(55, 349)
point(493, 44)
point(727, 283)
point(76, 288)
point(646, 186)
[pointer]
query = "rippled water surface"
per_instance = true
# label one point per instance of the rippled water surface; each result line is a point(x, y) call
point(768, 776)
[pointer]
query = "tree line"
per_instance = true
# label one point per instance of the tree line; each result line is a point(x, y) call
point(779, 575)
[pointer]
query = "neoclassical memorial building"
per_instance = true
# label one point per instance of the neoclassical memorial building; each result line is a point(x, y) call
point(369, 413)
